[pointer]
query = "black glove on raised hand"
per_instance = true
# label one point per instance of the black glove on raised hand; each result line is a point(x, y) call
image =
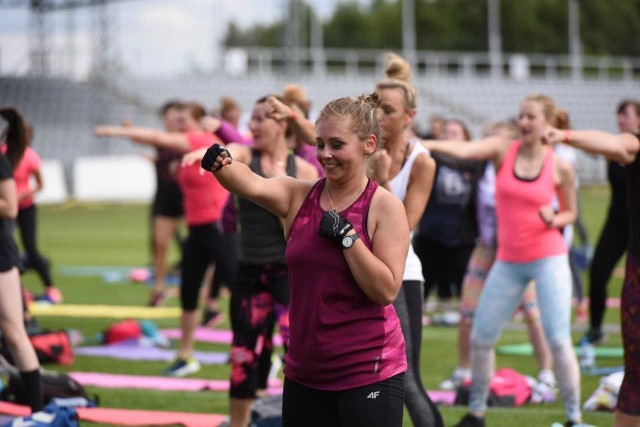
point(333, 226)
point(209, 161)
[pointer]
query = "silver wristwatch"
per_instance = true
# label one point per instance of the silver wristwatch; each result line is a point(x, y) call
point(348, 241)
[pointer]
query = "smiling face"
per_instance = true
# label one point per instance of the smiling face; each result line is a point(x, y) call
point(392, 114)
point(265, 130)
point(338, 148)
point(532, 121)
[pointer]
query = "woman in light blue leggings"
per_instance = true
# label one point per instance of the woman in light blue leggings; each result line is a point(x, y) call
point(530, 247)
point(503, 290)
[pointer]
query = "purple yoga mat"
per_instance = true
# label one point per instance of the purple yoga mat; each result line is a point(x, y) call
point(133, 351)
point(215, 336)
point(154, 383)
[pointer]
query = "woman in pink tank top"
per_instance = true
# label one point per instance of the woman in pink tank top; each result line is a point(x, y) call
point(347, 242)
point(530, 247)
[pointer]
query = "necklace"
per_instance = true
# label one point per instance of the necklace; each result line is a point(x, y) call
point(335, 208)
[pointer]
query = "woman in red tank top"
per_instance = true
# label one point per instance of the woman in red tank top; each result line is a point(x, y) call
point(347, 241)
point(203, 200)
point(530, 247)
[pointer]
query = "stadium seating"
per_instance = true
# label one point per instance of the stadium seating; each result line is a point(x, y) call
point(65, 112)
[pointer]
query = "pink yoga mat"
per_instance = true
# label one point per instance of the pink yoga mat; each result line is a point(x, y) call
point(215, 336)
point(153, 383)
point(128, 417)
point(443, 397)
point(9, 408)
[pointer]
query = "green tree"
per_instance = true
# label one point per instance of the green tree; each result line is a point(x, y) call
point(534, 26)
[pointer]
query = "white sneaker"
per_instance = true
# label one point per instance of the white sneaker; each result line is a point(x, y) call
point(181, 367)
point(457, 378)
point(544, 390)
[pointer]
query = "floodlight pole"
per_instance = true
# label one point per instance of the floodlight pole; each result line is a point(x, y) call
point(317, 44)
point(495, 38)
point(293, 38)
point(39, 52)
point(409, 31)
point(71, 43)
point(574, 39)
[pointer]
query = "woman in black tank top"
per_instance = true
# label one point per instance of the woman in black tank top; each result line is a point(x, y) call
point(625, 149)
point(11, 314)
point(261, 296)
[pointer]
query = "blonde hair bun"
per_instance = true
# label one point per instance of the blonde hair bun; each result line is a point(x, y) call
point(397, 67)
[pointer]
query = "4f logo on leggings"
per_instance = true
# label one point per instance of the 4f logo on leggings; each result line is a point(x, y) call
point(373, 395)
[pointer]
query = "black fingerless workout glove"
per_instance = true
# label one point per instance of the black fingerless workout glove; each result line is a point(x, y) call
point(209, 163)
point(333, 226)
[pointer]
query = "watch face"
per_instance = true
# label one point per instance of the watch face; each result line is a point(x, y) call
point(347, 242)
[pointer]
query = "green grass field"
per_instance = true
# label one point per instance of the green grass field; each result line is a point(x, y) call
point(116, 235)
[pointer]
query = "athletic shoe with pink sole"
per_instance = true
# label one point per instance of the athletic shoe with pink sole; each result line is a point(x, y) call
point(51, 295)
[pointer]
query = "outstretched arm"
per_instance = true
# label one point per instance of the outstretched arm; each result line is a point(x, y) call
point(274, 194)
point(622, 148)
point(491, 148)
point(224, 130)
point(147, 136)
point(238, 152)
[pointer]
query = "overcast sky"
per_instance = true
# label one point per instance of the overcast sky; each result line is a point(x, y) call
point(152, 37)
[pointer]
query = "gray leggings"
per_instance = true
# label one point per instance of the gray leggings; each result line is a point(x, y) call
point(408, 305)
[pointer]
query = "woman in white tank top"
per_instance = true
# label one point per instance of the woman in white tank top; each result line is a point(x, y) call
point(405, 168)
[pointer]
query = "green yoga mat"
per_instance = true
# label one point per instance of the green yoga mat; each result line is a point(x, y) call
point(525, 349)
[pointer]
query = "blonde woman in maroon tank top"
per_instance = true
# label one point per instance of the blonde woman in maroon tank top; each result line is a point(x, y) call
point(347, 242)
point(530, 247)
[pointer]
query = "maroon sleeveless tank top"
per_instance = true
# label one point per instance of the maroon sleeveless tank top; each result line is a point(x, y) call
point(339, 338)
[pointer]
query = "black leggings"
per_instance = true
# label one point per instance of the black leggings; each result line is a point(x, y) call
point(445, 266)
point(610, 248)
point(375, 405)
point(226, 271)
point(408, 305)
point(200, 251)
point(27, 224)
point(259, 300)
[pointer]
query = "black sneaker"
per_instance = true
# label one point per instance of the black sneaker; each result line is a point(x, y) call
point(470, 421)
point(211, 318)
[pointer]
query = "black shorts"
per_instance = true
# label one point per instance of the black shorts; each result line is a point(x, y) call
point(168, 200)
point(9, 254)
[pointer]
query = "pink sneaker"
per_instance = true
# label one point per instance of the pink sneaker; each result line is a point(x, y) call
point(51, 295)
